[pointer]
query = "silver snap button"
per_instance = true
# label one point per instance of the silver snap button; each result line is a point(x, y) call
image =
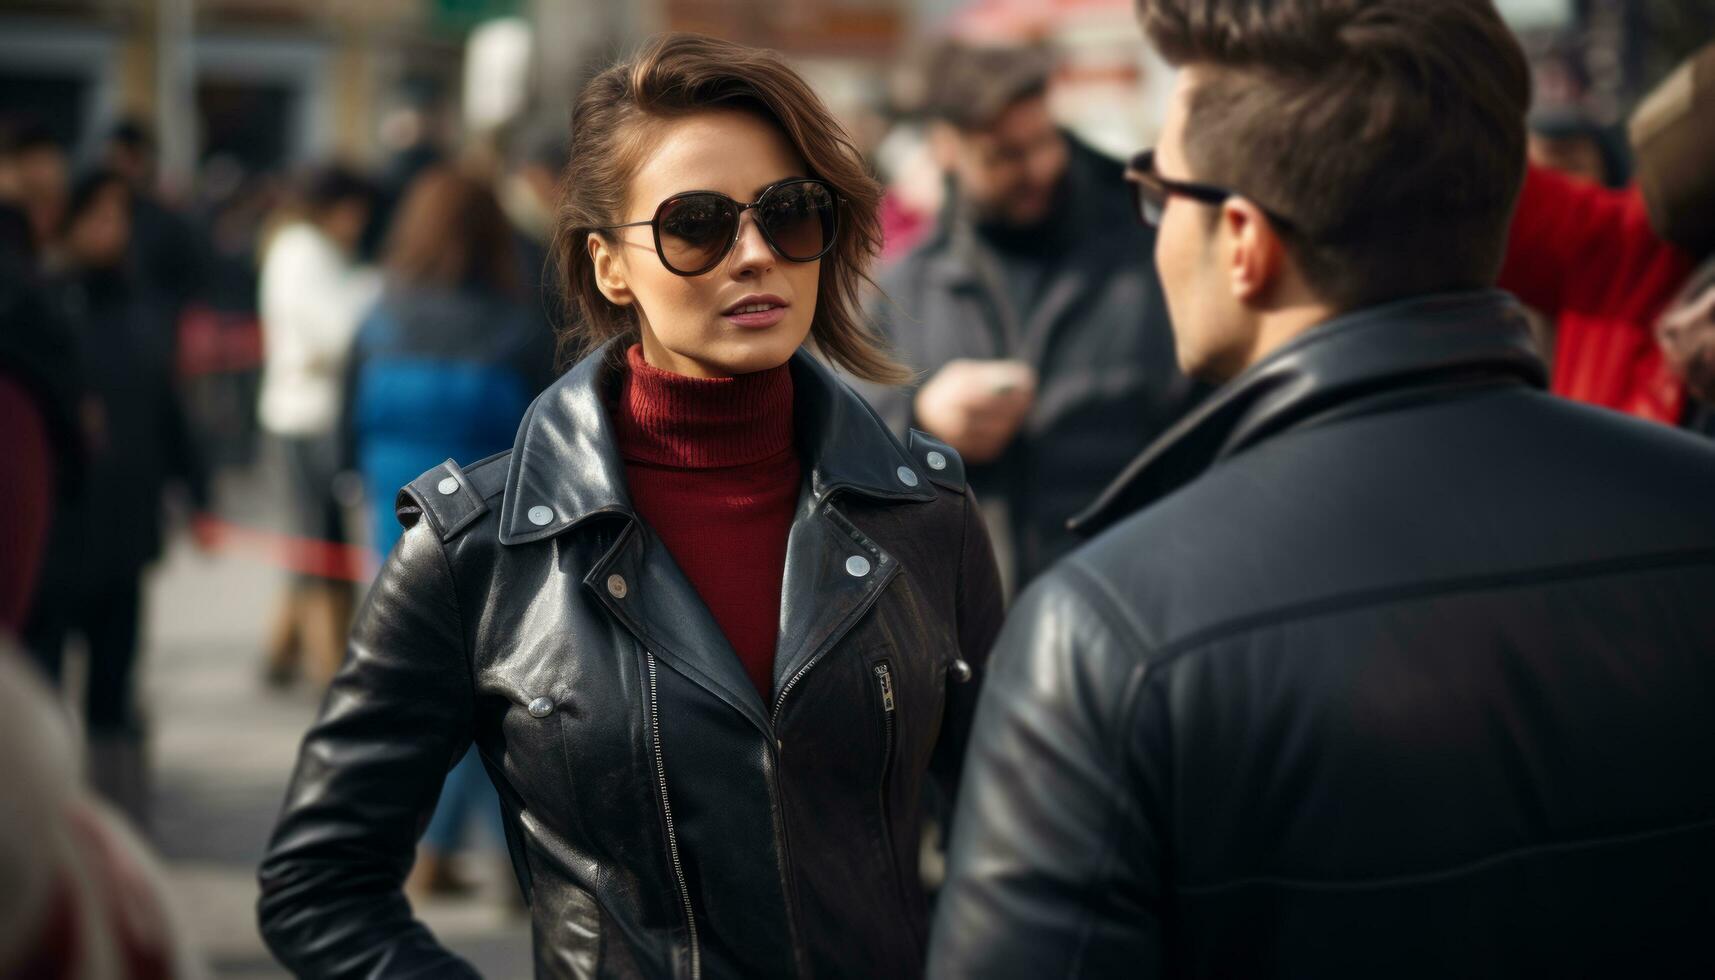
point(448, 487)
point(857, 566)
point(541, 708)
point(936, 461)
point(907, 476)
point(616, 586)
point(961, 671)
point(540, 516)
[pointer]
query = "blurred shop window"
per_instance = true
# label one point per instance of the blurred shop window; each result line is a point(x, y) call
point(55, 99)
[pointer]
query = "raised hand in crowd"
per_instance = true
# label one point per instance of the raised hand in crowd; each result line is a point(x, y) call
point(1687, 336)
point(977, 406)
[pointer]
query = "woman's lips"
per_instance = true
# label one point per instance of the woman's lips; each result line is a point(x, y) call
point(760, 320)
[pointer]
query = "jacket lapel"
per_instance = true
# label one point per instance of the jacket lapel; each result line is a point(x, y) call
point(834, 572)
point(565, 474)
point(643, 587)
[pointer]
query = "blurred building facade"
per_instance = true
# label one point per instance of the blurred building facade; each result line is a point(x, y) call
point(270, 83)
point(277, 83)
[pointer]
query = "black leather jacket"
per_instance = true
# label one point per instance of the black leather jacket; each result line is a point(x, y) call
point(662, 818)
point(1390, 665)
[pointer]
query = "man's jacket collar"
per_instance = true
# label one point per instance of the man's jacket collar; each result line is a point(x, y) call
point(1477, 337)
point(566, 469)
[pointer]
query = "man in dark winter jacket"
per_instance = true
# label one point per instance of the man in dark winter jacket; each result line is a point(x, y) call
point(1386, 663)
point(1032, 313)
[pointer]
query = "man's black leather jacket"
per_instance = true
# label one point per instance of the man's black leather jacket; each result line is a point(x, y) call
point(663, 819)
point(1389, 665)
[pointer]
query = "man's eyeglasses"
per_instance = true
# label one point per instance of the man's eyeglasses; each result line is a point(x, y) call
point(695, 231)
point(1150, 191)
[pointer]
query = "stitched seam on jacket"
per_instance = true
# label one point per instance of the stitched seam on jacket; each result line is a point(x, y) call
point(1117, 603)
point(1445, 874)
point(458, 612)
point(1123, 714)
point(1348, 601)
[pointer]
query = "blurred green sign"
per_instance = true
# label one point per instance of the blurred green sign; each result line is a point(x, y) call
point(462, 15)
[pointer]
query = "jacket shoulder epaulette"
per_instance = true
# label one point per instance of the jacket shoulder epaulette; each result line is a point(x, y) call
point(451, 497)
point(946, 468)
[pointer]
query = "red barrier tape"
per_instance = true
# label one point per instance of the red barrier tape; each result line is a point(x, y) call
point(218, 343)
point(304, 556)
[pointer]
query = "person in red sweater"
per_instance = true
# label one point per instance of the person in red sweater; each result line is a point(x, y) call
point(1605, 264)
point(1587, 257)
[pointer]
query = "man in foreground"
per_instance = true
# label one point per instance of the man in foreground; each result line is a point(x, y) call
point(1351, 684)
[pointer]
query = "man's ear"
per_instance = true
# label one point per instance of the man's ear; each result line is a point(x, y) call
point(1254, 253)
point(609, 271)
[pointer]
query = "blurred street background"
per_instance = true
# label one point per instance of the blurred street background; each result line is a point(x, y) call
point(217, 113)
point(222, 746)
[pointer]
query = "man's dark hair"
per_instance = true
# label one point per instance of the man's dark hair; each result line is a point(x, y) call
point(335, 184)
point(971, 87)
point(1389, 133)
point(134, 135)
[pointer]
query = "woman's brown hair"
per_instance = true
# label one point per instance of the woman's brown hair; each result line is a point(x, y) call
point(451, 232)
point(677, 75)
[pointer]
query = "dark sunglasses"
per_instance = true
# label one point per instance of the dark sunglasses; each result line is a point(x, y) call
point(694, 231)
point(1150, 191)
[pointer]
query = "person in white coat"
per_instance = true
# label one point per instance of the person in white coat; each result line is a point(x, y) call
point(314, 293)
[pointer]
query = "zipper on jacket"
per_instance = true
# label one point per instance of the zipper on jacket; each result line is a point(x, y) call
point(883, 673)
point(884, 679)
point(667, 809)
point(884, 686)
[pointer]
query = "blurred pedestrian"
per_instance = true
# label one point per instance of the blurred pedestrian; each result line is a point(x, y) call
point(443, 368)
point(165, 249)
point(139, 445)
point(85, 899)
point(1567, 140)
point(1603, 264)
point(41, 442)
point(529, 191)
point(413, 140)
point(42, 174)
point(1385, 662)
point(221, 333)
point(710, 625)
point(314, 294)
point(1034, 318)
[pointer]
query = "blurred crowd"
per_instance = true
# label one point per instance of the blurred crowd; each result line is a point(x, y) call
point(357, 328)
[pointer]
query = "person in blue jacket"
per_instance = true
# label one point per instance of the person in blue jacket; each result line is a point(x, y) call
point(444, 366)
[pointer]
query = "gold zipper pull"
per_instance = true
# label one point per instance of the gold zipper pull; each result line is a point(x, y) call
point(885, 676)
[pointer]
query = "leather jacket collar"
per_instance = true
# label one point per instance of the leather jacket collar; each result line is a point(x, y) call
point(566, 468)
point(1391, 350)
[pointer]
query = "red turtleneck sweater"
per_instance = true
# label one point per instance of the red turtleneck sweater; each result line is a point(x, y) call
point(712, 468)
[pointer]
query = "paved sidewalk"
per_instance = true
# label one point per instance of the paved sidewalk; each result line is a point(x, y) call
point(223, 748)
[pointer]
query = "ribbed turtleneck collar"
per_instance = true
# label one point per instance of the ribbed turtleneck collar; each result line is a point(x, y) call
point(699, 423)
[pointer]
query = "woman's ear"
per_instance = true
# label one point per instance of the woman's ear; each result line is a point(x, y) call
point(609, 271)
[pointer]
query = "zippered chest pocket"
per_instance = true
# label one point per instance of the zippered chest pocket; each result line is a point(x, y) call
point(883, 679)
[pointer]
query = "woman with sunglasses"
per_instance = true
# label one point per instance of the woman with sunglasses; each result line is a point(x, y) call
point(710, 626)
